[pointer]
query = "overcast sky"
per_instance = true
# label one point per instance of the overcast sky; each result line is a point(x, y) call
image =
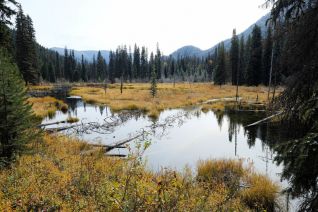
point(105, 24)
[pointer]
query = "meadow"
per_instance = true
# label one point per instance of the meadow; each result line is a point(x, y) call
point(137, 96)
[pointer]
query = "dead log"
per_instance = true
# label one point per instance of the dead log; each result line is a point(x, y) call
point(263, 120)
point(121, 143)
point(116, 155)
point(49, 124)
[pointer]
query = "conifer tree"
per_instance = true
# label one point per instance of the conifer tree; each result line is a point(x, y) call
point(242, 61)
point(267, 56)
point(136, 63)
point(16, 118)
point(100, 67)
point(25, 48)
point(158, 62)
point(234, 57)
point(51, 71)
point(255, 60)
point(143, 63)
point(219, 73)
point(83, 70)
point(153, 88)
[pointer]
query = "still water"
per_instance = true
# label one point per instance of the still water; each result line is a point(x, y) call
point(194, 136)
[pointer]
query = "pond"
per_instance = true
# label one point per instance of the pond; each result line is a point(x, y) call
point(190, 135)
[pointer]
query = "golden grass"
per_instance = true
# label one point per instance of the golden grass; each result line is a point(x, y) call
point(40, 87)
point(58, 177)
point(137, 96)
point(72, 120)
point(46, 106)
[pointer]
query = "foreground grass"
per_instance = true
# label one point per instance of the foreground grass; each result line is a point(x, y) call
point(58, 176)
point(137, 96)
point(46, 106)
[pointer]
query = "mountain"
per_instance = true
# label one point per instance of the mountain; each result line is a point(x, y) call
point(194, 51)
point(88, 54)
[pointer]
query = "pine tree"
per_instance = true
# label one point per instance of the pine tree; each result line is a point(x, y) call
point(26, 55)
point(143, 63)
point(153, 88)
point(267, 57)
point(15, 113)
point(234, 57)
point(219, 73)
point(51, 73)
point(83, 70)
point(242, 61)
point(100, 67)
point(255, 60)
point(136, 63)
point(158, 62)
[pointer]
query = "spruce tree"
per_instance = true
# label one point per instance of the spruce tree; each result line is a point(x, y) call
point(234, 57)
point(153, 88)
point(242, 61)
point(26, 55)
point(136, 62)
point(254, 72)
point(16, 117)
point(100, 67)
point(267, 57)
point(83, 70)
point(158, 62)
point(219, 73)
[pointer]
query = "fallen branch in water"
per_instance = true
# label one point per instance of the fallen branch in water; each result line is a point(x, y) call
point(49, 124)
point(263, 120)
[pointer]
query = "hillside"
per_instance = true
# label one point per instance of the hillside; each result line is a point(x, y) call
point(194, 51)
point(88, 54)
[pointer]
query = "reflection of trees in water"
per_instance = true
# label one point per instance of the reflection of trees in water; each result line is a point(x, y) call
point(296, 152)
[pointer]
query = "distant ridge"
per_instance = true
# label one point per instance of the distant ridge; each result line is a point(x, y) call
point(88, 54)
point(194, 51)
point(186, 51)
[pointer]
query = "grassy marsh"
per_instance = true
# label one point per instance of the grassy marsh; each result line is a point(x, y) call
point(137, 96)
point(58, 176)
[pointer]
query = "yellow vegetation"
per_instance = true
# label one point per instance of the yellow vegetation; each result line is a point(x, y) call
point(46, 106)
point(40, 87)
point(59, 176)
point(72, 120)
point(137, 96)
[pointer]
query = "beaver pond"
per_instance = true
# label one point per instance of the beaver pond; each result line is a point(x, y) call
point(179, 137)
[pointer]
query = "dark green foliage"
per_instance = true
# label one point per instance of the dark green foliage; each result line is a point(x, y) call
point(158, 62)
point(83, 70)
point(234, 56)
point(153, 88)
point(100, 67)
point(242, 61)
point(220, 69)
point(254, 70)
point(26, 54)
point(15, 113)
point(267, 57)
point(136, 63)
point(6, 11)
point(52, 73)
point(296, 45)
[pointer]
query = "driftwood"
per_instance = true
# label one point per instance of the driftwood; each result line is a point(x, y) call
point(49, 124)
point(263, 120)
point(121, 143)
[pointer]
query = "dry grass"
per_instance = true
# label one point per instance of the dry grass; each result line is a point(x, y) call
point(137, 96)
point(40, 87)
point(72, 120)
point(46, 106)
point(58, 177)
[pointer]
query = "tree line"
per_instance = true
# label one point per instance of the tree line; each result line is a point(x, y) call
point(247, 62)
